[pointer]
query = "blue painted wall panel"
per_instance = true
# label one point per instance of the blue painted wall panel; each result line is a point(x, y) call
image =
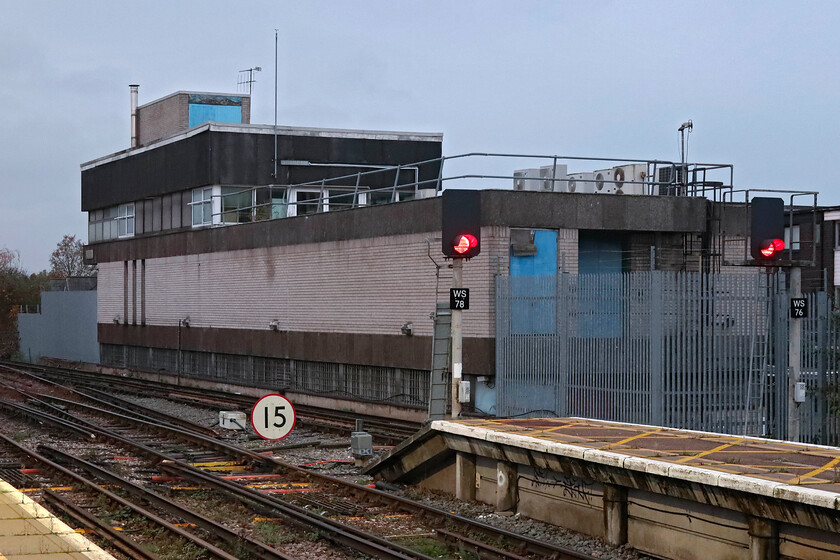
point(201, 113)
point(529, 312)
point(544, 263)
point(602, 256)
point(599, 253)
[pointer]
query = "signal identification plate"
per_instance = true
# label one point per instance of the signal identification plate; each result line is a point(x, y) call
point(798, 308)
point(459, 298)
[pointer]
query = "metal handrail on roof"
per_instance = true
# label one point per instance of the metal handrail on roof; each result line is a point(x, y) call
point(353, 183)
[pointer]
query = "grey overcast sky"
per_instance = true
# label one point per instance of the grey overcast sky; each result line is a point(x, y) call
point(610, 78)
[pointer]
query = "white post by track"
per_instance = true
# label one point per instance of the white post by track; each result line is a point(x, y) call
point(457, 341)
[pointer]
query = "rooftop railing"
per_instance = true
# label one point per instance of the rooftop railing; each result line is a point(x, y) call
point(239, 204)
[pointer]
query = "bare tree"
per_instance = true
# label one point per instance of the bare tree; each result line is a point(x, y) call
point(16, 288)
point(68, 259)
point(9, 260)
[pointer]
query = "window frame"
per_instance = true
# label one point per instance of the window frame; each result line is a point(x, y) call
point(324, 205)
point(238, 211)
point(125, 220)
point(792, 238)
point(209, 199)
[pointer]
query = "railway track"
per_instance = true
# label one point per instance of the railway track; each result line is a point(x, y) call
point(385, 430)
point(344, 514)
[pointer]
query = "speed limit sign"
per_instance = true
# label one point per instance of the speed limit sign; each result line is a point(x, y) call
point(273, 417)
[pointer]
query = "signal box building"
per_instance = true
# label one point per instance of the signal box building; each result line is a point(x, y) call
point(309, 260)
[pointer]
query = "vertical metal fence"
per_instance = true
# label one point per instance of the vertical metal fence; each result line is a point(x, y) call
point(686, 350)
point(819, 415)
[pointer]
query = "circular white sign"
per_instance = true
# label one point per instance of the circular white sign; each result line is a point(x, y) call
point(273, 417)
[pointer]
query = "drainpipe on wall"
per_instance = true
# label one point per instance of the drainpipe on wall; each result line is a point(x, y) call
point(134, 88)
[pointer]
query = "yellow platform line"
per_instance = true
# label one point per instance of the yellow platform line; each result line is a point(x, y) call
point(670, 453)
point(710, 451)
point(546, 430)
point(637, 436)
point(815, 482)
point(815, 472)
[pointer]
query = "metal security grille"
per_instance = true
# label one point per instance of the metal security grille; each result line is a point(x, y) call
point(820, 413)
point(688, 350)
point(406, 387)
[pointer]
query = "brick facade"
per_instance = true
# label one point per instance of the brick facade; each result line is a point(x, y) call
point(169, 115)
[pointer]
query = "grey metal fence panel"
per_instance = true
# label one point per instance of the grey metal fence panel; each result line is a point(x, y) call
point(818, 415)
point(688, 350)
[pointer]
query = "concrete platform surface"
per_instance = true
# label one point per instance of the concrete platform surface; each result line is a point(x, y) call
point(772, 464)
point(30, 532)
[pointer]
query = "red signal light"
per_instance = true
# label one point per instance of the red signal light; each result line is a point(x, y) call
point(464, 243)
point(772, 246)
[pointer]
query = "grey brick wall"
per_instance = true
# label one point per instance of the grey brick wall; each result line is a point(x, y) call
point(162, 118)
point(369, 285)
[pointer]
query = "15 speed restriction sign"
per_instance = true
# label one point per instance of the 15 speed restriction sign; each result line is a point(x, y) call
point(273, 417)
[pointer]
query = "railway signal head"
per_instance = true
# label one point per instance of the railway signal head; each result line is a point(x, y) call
point(463, 243)
point(767, 229)
point(771, 248)
point(461, 223)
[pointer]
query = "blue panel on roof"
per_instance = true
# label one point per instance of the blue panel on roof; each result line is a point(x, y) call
point(200, 114)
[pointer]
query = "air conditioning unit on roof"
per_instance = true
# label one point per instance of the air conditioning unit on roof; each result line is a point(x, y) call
point(558, 184)
point(581, 182)
point(622, 179)
point(527, 180)
point(671, 179)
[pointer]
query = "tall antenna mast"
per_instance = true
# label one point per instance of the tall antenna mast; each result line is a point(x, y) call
point(275, 105)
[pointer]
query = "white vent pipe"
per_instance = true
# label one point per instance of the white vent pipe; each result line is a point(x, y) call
point(134, 88)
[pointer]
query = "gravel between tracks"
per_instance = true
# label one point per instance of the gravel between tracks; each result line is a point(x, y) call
point(473, 510)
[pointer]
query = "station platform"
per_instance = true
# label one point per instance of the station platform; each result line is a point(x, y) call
point(30, 532)
point(670, 493)
point(788, 463)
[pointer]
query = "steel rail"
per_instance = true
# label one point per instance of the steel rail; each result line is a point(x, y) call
point(377, 425)
point(345, 534)
point(108, 400)
point(484, 551)
point(531, 545)
point(115, 538)
point(186, 435)
point(143, 411)
point(216, 396)
point(63, 471)
point(232, 538)
point(332, 530)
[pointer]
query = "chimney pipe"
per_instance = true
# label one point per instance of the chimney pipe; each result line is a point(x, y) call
point(133, 88)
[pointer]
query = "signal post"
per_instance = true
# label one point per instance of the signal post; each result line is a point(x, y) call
point(457, 338)
point(767, 230)
point(460, 241)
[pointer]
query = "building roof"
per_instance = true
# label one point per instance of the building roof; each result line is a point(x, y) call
point(202, 93)
point(270, 130)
